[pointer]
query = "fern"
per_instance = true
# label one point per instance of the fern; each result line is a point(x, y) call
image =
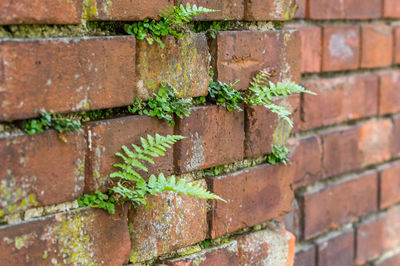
point(262, 91)
point(132, 187)
point(172, 23)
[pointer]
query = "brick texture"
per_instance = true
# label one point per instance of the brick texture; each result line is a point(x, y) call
point(105, 138)
point(347, 9)
point(39, 12)
point(336, 249)
point(391, 9)
point(234, 59)
point(396, 137)
point(393, 260)
point(301, 9)
point(221, 255)
point(340, 48)
point(389, 93)
point(253, 196)
point(269, 9)
point(272, 246)
point(125, 10)
point(43, 166)
point(306, 256)
point(65, 75)
point(311, 52)
point(338, 201)
point(209, 143)
point(390, 185)
point(396, 50)
point(377, 46)
point(168, 222)
point(227, 9)
point(68, 239)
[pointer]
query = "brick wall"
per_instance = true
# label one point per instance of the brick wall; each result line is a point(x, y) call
point(337, 203)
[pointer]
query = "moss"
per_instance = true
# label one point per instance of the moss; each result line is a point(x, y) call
point(23, 241)
point(42, 31)
point(89, 9)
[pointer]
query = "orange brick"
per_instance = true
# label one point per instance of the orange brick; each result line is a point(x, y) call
point(311, 54)
point(377, 46)
point(347, 9)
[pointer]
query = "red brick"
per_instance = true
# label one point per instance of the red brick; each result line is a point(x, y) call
point(347, 9)
point(391, 9)
point(292, 220)
point(340, 48)
point(306, 256)
point(269, 9)
point(375, 142)
point(263, 128)
point(65, 75)
point(336, 249)
point(227, 9)
point(396, 45)
point(338, 201)
point(86, 237)
point(272, 246)
point(339, 99)
point(125, 10)
point(235, 59)
point(184, 63)
point(389, 93)
point(377, 235)
point(105, 138)
point(393, 260)
point(168, 222)
point(253, 196)
point(210, 132)
point(301, 9)
point(340, 151)
point(376, 46)
point(311, 52)
point(396, 137)
point(39, 12)
point(225, 254)
point(390, 185)
point(307, 159)
point(43, 166)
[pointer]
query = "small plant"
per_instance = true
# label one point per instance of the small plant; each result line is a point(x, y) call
point(262, 91)
point(224, 94)
point(132, 187)
point(162, 105)
point(279, 154)
point(172, 23)
point(51, 120)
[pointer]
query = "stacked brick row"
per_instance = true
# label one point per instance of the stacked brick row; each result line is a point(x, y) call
point(43, 175)
point(346, 210)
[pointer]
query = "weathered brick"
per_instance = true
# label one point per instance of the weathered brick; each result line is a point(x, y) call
point(227, 9)
point(271, 246)
point(226, 254)
point(253, 196)
point(306, 256)
point(340, 151)
point(263, 128)
point(210, 132)
point(292, 220)
point(311, 52)
point(65, 75)
point(391, 9)
point(235, 59)
point(43, 166)
point(393, 260)
point(39, 12)
point(389, 185)
point(168, 222)
point(396, 50)
point(339, 99)
point(377, 235)
point(184, 63)
point(105, 138)
point(375, 142)
point(269, 9)
point(301, 9)
point(396, 137)
point(125, 10)
point(376, 46)
point(336, 249)
point(389, 93)
point(85, 237)
point(340, 48)
point(307, 159)
point(339, 203)
point(347, 9)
